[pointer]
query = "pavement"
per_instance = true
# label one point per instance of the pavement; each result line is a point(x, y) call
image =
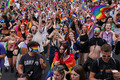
point(11, 76)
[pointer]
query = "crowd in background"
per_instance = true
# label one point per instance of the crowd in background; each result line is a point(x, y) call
point(68, 36)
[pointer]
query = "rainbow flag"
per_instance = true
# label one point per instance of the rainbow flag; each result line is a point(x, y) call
point(8, 3)
point(98, 11)
point(2, 8)
point(83, 4)
point(95, 1)
point(81, 18)
point(11, 0)
point(65, 32)
point(72, 0)
point(26, 9)
point(12, 21)
point(34, 49)
point(70, 62)
point(64, 19)
point(38, 7)
point(70, 16)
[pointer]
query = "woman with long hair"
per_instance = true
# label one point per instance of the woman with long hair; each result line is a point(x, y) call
point(54, 42)
point(83, 36)
point(73, 44)
point(58, 73)
point(12, 41)
point(77, 73)
point(63, 57)
point(22, 31)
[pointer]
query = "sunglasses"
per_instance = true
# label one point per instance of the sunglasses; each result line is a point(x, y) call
point(59, 68)
point(106, 55)
point(96, 29)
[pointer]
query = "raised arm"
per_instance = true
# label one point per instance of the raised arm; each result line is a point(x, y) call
point(76, 26)
point(115, 14)
point(89, 32)
point(40, 28)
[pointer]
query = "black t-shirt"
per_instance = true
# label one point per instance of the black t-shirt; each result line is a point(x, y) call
point(100, 23)
point(103, 69)
point(93, 41)
point(27, 62)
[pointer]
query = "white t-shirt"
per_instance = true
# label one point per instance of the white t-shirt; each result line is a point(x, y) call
point(38, 38)
point(17, 5)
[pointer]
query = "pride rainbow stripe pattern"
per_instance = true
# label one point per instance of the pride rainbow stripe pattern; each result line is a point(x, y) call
point(34, 49)
point(83, 4)
point(98, 11)
point(8, 3)
point(72, 0)
point(95, 1)
point(38, 7)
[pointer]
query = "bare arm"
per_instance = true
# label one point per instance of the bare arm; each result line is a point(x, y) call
point(91, 77)
point(89, 32)
point(20, 66)
point(115, 14)
point(40, 28)
point(2, 56)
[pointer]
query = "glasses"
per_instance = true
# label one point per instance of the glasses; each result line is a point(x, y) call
point(106, 55)
point(59, 68)
point(96, 29)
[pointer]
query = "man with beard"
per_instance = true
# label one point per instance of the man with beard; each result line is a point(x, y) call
point(94, 45)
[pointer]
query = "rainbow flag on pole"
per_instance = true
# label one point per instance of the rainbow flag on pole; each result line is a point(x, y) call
point(83, 4)
point(95, 1)
point(98, 11)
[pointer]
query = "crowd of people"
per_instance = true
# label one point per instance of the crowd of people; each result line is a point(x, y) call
point(77, 45)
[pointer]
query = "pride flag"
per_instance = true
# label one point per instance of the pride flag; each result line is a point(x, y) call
point(81, 18)
point(83, 4)
point(98, 11)
point(12, 21)
point(70, 62)
point(8, 3)
point(72, 0)
point(95, 1)
point(34, 49)
point(64, 19)
point(65, 32)
point(38, 7)
point(2, 8)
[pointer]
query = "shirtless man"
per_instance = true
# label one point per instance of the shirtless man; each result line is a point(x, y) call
point(94, 45)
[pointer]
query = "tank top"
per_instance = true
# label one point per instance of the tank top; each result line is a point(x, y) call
point(83, 37)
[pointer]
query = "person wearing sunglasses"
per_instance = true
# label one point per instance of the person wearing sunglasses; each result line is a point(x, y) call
point(12, 42)
point(58, 73)
point(94, 46)
point(103, 67)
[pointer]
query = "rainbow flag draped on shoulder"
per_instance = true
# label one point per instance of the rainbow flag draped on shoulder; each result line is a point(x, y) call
point(98, 11)
point(70, 62)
